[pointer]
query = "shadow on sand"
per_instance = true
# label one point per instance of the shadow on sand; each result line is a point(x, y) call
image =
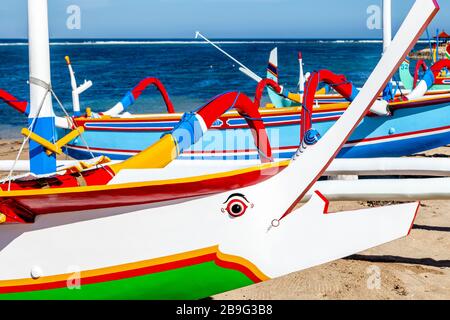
point(396, 259)
point(431, 228)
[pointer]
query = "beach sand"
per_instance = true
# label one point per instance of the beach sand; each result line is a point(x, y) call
point(415, 267)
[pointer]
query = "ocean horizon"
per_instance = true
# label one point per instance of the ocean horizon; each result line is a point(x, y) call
point(118, 41)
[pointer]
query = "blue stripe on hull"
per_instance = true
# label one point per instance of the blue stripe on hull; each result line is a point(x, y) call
point(40, 162)
point(397, 148)
point(403, 121)
point(381, 149)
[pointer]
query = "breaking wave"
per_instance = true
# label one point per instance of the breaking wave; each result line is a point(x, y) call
point(191, 42)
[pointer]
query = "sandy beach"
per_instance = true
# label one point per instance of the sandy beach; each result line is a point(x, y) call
point(415, 267)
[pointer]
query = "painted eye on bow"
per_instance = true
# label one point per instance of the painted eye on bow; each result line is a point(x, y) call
point(236, 205)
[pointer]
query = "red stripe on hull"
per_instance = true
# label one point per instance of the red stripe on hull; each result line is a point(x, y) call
point(136, 273)
point(128, 196)
point(114, 276)
point(238, 267)
point(399, 135)
point(106, 150)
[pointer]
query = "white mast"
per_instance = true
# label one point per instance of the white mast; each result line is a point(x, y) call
point(387, 24)
point(41, 109)
point(76, 90)
point(301, 77)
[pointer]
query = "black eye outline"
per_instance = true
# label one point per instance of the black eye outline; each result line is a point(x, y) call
point(236, 195)
point(236, 199)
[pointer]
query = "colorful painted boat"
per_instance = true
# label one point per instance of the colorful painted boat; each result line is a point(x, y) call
point(100, 233)
point(327, 95)
point(414, 126)
point(428, 125)
point(442, 81)
point(118, 134)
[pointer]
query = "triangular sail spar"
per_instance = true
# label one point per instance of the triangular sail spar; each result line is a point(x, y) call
point(328, 147)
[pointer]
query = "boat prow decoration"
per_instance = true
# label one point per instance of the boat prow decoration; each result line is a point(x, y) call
point(188, 131)
point(128, 100)
point(342, 86)
point(200, 242)
point(420, 65)
point(432, 77)
point(439, 80)
point(272, 73)
point(131, 96)
point(406, 78)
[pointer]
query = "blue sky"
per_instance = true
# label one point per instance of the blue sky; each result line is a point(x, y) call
point(215, 18)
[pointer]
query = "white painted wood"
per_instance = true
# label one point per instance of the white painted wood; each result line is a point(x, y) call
point(384, 189)
point(390, 166)
point(306, 168)
point(307, 237)
point(39, 55)
point(387, 24)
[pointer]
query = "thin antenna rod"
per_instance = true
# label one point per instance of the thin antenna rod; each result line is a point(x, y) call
point(247, 71)
point(387, 24)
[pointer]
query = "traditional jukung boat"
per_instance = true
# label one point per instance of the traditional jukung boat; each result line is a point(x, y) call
point(111, 231)
point(384, 132)
point(441, 82)
point(120, 136)
point(327, 94)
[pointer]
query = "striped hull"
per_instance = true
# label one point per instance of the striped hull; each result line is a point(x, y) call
point(411, 129)
point(121, 195)
point(189, 276)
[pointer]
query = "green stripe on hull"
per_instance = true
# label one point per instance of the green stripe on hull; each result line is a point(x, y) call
point(193, 282)
point(408, 80)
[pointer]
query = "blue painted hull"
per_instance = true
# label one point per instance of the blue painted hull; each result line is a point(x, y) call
point(409, 130)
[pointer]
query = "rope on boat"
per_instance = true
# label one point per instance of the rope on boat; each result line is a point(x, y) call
point(74, 125)
point(48, 88)
point(431, 46)
point(398, 87)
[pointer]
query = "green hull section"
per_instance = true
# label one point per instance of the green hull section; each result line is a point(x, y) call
point(408, 80)
point(188, 283)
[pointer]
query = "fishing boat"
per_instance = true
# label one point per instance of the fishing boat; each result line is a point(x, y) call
point(328, 95)
point(441, 83)
point(383, 133)
point(112, 231)
point(119, 134)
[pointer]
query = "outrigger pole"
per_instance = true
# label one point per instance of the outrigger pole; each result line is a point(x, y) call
point(41, 119)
